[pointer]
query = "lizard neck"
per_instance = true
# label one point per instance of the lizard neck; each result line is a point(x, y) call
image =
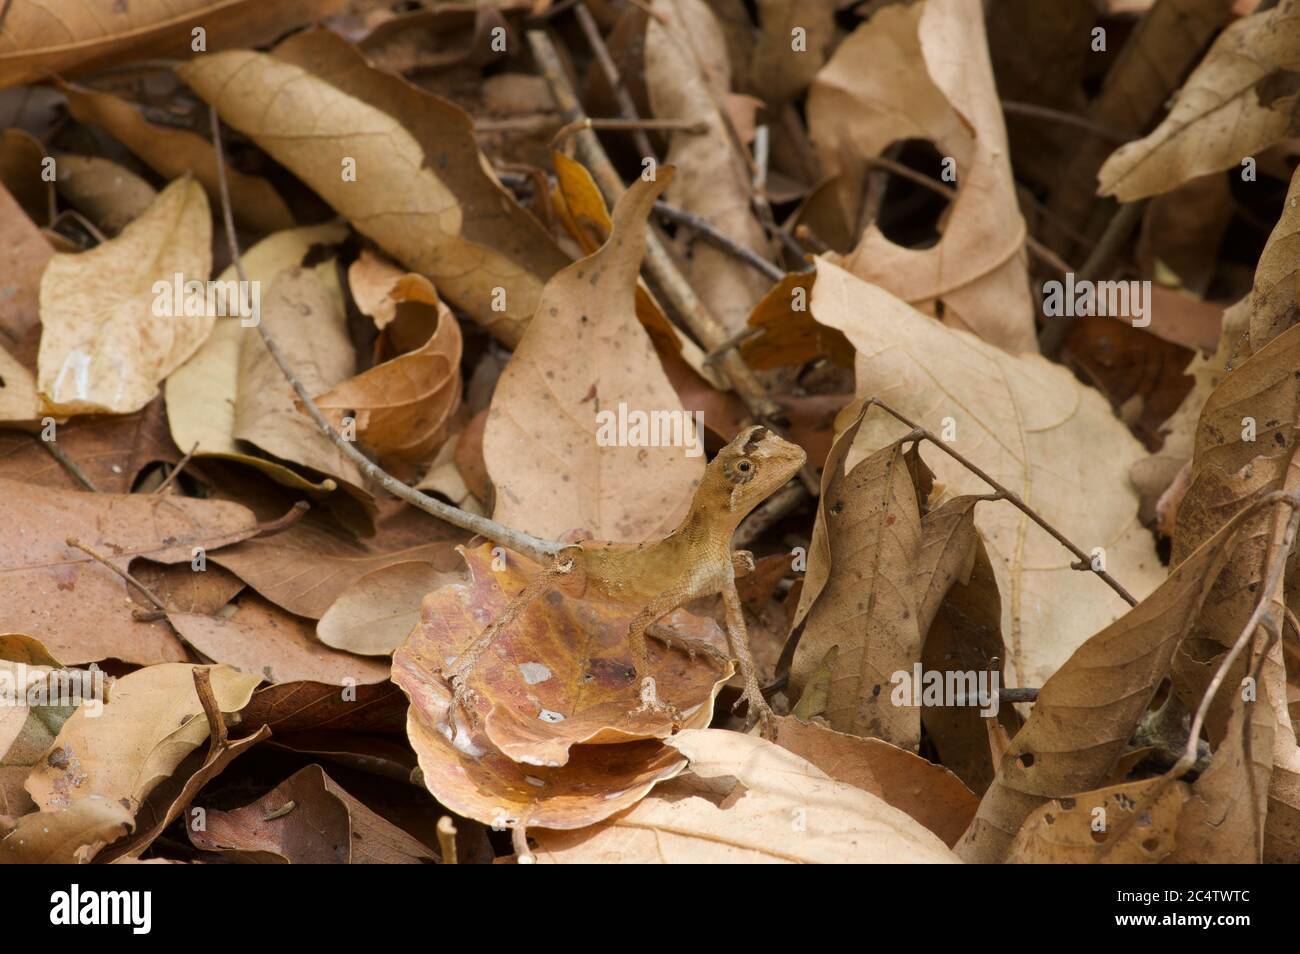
point(710, 522)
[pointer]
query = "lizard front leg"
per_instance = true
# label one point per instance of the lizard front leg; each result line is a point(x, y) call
point(738, 637)
point(660, 606)
point(463, 696)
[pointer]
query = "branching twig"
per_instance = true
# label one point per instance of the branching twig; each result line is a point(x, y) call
point(1084, 561)
point(542, 551)
point(1057, 116)
point(622, 97)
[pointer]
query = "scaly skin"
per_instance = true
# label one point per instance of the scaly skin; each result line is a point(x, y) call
point(693, 561)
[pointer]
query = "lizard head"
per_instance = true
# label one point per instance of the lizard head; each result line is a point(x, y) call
point(747, 470)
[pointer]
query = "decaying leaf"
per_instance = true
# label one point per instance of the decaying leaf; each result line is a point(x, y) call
point(560, 675)
point(308, 819)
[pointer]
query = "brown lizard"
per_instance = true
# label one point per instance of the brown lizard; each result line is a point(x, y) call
point(693, 561)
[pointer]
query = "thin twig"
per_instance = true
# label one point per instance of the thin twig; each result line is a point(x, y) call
point(626, 107)
point(100, 558)
point(69, 465)
point(1084, 560)
point(175, 471)
point(706, 231)
point(542, 551)
point(1034, 111)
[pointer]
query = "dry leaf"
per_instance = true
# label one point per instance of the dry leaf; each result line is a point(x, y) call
point(766, 805)
point(308, 819)
point(456, 225)
point(1057, 754)
point(77, 607)
point(375, 614)
point(403, 406)
point(1032, 426)
point(152, 722)
point(203, 392)
point(929, 793)
point(106, 346)
point(585, 354)
point(1237, 102)
point(83, 35)
point(305, 568)
point(922, 72)
point(258, 637)
point(108, 194)
point(560, 675)
point(867, 606)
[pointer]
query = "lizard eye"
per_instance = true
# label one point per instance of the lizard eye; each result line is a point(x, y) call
point(741, 471)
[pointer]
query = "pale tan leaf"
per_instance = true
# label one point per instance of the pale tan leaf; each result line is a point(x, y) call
point(922, 72)
point(455, 224)
point(1031, 425)
point(586, 353)
point(761, 804)
point(105, 345)
point(1237, 102)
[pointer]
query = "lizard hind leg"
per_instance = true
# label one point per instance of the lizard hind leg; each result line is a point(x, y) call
point(463, 697)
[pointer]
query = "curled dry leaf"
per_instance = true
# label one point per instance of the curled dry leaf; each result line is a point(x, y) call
point(109, 338)
point(152, 722)
point(456, 224)
point(586, 355)
point(78, 608)
point(559, 675)
point(308, 819)
point(1240, 100)
point(22, 164)
point(24, 250)
point(203, 393)
point(256, 636)
point(376, 613)
point(404, 405)
point(923, 72)
point(1029, 424)
point(480, 783)
point(737, 806)
point(19, 402)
